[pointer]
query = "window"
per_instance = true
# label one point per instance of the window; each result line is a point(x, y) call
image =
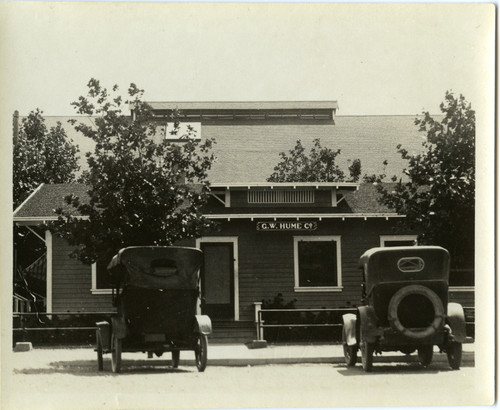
point(317, 263)
point(398, 240)
point(100, 280)
point(462, 278)
point(191, 129)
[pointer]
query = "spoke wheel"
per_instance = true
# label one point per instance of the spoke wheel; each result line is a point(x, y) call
point(350, 352)
point(116, 354)
point(367, 350)
point(100, 362)
point(176, 354)
point(425, 355)
point(454, 353)
point(200, 352)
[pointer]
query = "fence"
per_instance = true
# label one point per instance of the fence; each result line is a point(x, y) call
point(79, 327)
point(325, 318)
point(57, 327)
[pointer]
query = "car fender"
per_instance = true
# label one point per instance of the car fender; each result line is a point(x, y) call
point(203, 324)
point(368, 322)
point(119, 327)
point(349, 333)
point(456, 321)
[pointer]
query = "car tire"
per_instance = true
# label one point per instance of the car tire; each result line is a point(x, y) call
point(100, 361)
point(425, 355)
point(454, 353)
point(350, 352)
point(439, 312)
point(367, 350)
point(116, 354)
point(176, 354)
point(200, 352)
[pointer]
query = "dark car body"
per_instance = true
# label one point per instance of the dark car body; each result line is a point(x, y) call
point(156, 293)
point(405, 306)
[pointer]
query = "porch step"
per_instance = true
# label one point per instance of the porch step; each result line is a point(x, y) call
point(232, 332)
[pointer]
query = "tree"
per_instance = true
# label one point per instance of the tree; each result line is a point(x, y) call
point(143, 190)
point(438, 199)
point(317, 166)
point(41, 156)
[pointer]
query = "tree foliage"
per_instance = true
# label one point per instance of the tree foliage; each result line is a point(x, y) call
point(316, 166)
point(41, 156)
point(143, 189)
point(439, 198)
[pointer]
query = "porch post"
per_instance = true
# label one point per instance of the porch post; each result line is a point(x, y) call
point(48, 275)
point(260, 332)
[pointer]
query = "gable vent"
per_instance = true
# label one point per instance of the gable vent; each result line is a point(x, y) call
point(281, 197)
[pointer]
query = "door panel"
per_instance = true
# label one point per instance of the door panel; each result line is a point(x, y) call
point(217, 281)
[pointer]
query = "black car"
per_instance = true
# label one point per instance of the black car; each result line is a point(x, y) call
point(405, 307)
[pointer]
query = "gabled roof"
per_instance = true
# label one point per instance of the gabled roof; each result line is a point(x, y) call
point(249, 151)
point(365, 199)
point(287, 185)
point(244, 105)
point(47, 198)
point(248, 148)
point(42, 204)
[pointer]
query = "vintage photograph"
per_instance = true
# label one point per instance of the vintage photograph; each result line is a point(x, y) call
point(247, 205)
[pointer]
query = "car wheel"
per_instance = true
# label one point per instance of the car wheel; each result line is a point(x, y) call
point(116, 354)
point(350, 352)
point(100, 362)
point(200, 352)
point(454, 353)
point(425, 354)
point(176, 354)
point(367, 350)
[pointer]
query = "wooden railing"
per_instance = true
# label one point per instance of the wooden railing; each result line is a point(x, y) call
point(261, 324)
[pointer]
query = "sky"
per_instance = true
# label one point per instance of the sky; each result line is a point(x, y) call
point(374, 59)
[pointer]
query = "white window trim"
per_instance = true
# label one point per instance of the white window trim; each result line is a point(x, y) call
point(94, 289)
point(461, 289)
point(387, 238)
point(234, 240)
point(165, 128)
point(312, 238)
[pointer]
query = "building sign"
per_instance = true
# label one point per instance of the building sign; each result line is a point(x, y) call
point(287, 226)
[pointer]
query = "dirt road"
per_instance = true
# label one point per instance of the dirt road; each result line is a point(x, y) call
point(68, 379)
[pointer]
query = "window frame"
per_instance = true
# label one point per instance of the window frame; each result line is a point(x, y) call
point(387, 238)
point(94, 289)
point(317, 238)
point(164, 129)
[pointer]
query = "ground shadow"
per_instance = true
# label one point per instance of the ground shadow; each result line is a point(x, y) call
point(412, 366)
point(89, 368)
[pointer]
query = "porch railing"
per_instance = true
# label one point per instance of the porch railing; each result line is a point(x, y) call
point(55, 322)
point(261, 324)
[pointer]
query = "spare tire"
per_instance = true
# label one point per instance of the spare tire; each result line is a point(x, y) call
point(416, 311)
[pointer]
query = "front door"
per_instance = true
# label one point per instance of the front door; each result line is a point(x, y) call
point(217, 280)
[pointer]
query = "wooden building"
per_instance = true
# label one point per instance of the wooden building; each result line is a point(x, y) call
point(302, 240)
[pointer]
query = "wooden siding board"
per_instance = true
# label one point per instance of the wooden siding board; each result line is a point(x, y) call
point(266, 268)
point(266, 264)
point(72, 282)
